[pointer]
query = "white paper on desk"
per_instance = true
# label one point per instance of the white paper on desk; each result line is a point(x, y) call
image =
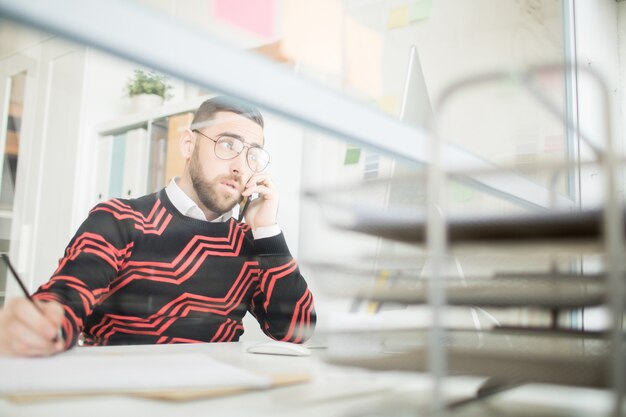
point(121, 373)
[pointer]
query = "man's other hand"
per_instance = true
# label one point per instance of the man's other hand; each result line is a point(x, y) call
point(26, 330)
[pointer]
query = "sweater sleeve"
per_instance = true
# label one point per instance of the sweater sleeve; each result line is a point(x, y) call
point(282, 302)
point(91, 262)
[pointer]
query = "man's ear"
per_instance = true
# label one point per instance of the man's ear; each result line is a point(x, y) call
point(187, 143)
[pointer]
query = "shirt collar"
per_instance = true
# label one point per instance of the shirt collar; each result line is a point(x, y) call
point(183, 203)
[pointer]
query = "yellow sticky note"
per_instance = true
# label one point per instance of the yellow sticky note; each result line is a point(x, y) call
point(389, 104)
point(398, 17)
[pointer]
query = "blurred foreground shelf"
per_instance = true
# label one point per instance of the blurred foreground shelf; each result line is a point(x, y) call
point(404, 225)
point(586, 370)
point(500, 293)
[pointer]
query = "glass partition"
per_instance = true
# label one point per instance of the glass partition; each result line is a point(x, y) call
point(363, 51)
point(336, 194)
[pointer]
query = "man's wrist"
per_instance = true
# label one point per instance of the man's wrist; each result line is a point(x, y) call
point(266, 231)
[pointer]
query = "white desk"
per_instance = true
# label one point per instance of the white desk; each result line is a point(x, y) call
point(331, 392)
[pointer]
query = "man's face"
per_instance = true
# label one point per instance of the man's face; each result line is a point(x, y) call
point(218, 183)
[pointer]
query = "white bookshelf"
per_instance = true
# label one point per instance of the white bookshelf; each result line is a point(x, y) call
point(145, 118)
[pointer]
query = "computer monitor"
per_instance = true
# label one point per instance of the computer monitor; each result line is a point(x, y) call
point(416, 110)
point(415, 107)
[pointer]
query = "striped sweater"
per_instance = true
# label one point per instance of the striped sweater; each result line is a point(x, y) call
point(139, 272)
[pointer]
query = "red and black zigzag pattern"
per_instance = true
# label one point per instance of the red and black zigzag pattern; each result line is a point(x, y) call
point(180, 308)
point(155, 223)
point(186, 263)
point(268, 281)
point(87, 299)
point(97, 245)
point(227, 331)
point(301, 322)
point(302, 316)
point(127, 277)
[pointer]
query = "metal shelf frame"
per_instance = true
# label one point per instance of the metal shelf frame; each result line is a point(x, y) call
point(612, 213)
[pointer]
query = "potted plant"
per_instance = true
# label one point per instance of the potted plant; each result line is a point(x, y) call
point(147, 89)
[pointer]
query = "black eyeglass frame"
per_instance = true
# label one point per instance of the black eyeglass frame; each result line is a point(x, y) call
point(248, 147)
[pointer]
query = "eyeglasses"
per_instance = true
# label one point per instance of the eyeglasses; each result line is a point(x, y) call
point(227, 147)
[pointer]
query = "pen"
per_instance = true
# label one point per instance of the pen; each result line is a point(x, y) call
point(7, 261)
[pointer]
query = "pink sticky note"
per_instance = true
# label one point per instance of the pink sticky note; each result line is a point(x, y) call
point(256, 16)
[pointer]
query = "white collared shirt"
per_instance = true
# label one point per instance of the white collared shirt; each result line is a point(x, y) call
point(183, 203)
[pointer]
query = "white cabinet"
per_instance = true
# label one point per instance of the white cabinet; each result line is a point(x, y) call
point(122, 165)
point(47, 168)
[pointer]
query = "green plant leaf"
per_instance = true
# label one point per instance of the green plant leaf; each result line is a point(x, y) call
point(148, 82)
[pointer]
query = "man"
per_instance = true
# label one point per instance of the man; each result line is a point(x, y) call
point(174, 266)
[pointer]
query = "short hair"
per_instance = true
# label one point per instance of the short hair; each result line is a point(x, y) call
point(209, 107)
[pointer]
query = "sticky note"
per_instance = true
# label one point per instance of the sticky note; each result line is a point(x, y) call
point(420, 10)
point(460, 192)
point(353, 155)
point(398, 17)
point(363, 57)
point(256, 16)
point(310, 34)
point(389, 104)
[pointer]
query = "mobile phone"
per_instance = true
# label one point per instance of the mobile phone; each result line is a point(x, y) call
point(246, 203)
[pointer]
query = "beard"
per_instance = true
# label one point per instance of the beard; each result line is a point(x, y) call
point(208, 192)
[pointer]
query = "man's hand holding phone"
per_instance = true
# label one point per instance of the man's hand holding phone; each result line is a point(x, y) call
point(262, 211)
